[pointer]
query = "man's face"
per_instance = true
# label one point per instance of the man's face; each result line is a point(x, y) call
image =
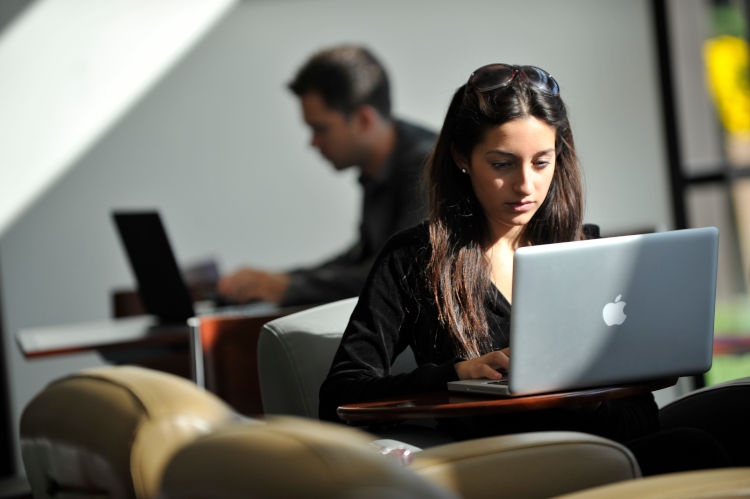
point(333, 134)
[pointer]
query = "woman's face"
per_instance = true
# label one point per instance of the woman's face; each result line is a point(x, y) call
point(511, 171)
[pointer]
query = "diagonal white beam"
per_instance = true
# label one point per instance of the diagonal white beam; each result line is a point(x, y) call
point(69, 69)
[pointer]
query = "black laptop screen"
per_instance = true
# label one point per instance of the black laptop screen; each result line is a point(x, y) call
point(160, 283)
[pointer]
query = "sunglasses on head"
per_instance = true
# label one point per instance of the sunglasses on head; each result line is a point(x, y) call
point(494, 76)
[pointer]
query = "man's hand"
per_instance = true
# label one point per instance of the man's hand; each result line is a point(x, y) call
point(247, 285)
point(485, 366)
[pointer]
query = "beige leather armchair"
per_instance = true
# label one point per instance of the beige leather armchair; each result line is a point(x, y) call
point(296, 457)
point(299, 457)
point(109, 431)
point(721, 483)
point(118, 431)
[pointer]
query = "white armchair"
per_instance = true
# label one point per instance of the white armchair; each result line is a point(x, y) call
point(295, 353)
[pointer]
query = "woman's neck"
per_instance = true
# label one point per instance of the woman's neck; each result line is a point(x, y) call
point(499, 252)
point(507, 238)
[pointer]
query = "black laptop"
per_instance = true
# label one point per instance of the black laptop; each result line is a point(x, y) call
point(160, 282)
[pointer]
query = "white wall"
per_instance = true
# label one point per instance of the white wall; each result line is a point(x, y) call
point(219, 148)
point(70, 68)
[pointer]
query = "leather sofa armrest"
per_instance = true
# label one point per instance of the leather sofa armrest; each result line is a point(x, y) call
point(290, 457)
point(539, 464)
point(294, 457)
point(109, 431)
point(724, 482)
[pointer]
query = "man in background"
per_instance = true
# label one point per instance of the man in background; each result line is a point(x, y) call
point(345, 98)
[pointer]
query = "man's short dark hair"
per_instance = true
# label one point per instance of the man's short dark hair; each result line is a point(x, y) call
point(346, 77)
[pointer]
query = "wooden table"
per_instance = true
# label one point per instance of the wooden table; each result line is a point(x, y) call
point(450, 404)
point(138, 340)
point(99, 335)
point(217, 350)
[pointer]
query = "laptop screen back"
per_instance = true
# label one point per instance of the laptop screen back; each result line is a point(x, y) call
point(613, 310)
point(160, 283)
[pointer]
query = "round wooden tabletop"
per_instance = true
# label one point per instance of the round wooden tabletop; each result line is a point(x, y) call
point(450, 404)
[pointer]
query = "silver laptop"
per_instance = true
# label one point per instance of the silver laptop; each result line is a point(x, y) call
point(609, 311)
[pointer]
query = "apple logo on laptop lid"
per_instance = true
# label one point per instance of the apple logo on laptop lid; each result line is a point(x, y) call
point(614, 312)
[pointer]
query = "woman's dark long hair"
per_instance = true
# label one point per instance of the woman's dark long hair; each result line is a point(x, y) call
point(458, 271)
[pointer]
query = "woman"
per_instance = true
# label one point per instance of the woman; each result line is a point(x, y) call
point(503, 175)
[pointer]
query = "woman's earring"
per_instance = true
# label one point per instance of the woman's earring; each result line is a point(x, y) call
point(463, 170)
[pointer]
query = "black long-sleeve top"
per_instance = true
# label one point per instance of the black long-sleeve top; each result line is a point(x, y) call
point(396, 309)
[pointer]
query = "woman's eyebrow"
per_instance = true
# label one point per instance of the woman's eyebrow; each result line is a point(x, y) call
point(546, 151)
point(507, 153)
point(499, 151)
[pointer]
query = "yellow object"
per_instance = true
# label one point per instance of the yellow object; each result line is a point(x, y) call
point(726, 58)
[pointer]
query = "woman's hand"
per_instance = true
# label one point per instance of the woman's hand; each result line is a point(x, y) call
point(485, 366)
